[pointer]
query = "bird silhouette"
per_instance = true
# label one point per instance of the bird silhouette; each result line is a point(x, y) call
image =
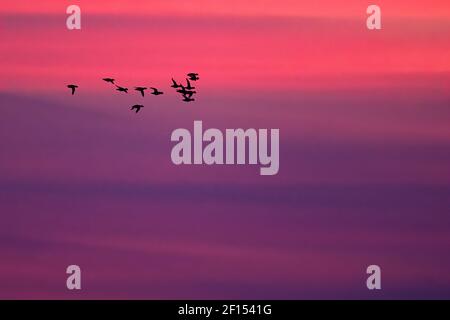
point(189, 87)
point(122, 89)
point(156, 91)
point(185, 92)
point(110, 80)
point(137, 107)
point(193, 76)
point(188, 99)
point(175, 84)
point(73, 87)
point(140, 89)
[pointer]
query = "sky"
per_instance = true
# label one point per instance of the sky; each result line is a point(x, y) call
point(364, 133)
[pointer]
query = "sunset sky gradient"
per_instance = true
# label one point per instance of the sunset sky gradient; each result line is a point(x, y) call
point(364, 119)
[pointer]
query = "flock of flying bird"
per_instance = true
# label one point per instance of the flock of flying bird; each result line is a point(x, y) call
point(187, 91)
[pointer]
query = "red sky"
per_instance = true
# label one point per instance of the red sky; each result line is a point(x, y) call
point(297, 44)
point(321, 8)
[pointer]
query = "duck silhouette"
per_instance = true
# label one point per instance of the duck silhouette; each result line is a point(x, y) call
point(156, 92)
point(193, 76)
point(121, 89)
point(185, 92)
point(175, 84)
point(140, 89)
point(73, 87)
point(137, 107)
point(189, 87)
point(187, 99)
point(110, 80)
